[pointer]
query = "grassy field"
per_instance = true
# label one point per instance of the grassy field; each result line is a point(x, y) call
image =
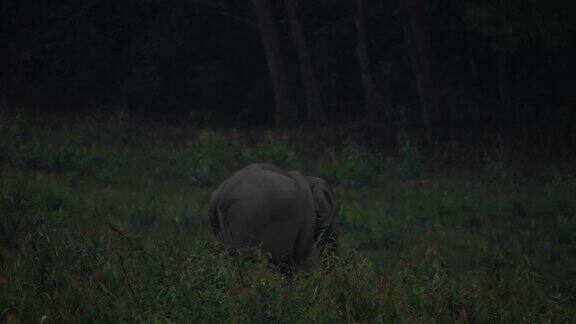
point(104, 220)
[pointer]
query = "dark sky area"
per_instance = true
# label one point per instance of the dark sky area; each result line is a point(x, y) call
point(454, 66)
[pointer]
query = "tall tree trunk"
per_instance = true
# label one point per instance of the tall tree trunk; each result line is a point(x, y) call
point(307, 71)
point(418, 39)
point(362, 51)
point(276, 65)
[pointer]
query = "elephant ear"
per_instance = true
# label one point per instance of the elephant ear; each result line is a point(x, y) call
point(325, 207)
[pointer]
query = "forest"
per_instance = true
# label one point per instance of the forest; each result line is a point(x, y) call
point(446, 129)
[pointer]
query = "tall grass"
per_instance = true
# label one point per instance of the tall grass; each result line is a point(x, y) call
point(98, 228)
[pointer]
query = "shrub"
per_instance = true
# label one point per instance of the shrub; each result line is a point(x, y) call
point(28, 202)
point(275, 150)
point(411, 157)
point(13, 135)
point(561, 189)
point(498, 167)
point(212, 157)
point(567, 224)
point(30, 149)
point(64, 157)
point(353, 166)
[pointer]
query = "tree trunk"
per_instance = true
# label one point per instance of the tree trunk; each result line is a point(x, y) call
point(307, 71)
point(362, 51)
point(276, 65)
point(418, 39)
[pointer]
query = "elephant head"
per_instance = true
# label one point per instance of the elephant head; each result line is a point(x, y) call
point(284, 213)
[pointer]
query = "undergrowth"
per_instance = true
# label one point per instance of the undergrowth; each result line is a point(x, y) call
point(98, 228)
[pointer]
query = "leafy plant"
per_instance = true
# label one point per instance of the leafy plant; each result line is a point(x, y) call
point(499, 169)
point(275, 150)
point(353, 166)
point(28, 202)
point(561, 188)
point(212, 156)
point(14, 135)
point(411, 163)
point(42, 150)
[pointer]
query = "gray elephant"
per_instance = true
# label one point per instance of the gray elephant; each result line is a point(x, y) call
point(283, 212)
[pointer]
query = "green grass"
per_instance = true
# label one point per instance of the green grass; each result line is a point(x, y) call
point(106, 221)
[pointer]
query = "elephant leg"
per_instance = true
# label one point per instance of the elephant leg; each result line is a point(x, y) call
point(304, 244)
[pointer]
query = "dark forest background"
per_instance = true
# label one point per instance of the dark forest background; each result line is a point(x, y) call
point(455, 68)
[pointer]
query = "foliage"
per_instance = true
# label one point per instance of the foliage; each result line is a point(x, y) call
point(12, 134)
point(411, 158)
point(499, 168)
point(352, 166)
point(274, 149)
point(212, 157)
point(561, 189)
point(44, 150)
point(27, 203)
point(136, 246)
point(512, 24)
point(164, 75)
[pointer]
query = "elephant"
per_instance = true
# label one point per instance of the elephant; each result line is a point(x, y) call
point(284, 213)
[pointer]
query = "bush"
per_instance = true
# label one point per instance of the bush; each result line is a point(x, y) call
point(411, 158)
point(499, 169)
point(28, 202)
point(213, 157)
point(33, 150)
point(353, 166)
point(561, 189)
point(13, 135)
point(273, 150)
point(64, 157)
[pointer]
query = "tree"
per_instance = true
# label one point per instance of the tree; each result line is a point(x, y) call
point(416, 34)
point(363, 59)
point(511, 25)
point(307, 71)
point(276, 65)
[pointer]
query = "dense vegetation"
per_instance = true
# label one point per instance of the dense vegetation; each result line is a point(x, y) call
point(464, 67)
point(104, 219)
